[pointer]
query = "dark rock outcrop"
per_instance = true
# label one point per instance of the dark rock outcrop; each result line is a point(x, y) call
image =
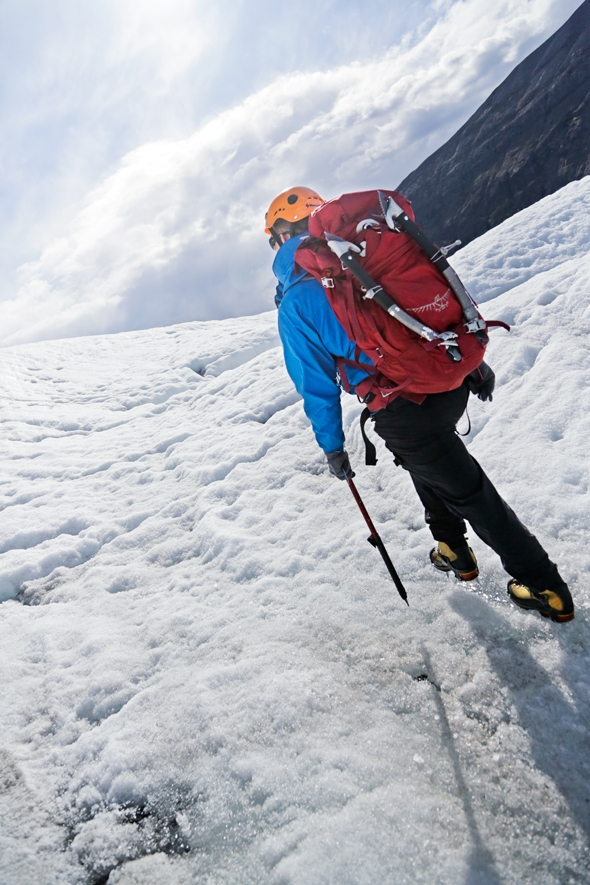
point(527, 140)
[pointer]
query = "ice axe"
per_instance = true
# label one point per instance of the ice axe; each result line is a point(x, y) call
point(376, 541)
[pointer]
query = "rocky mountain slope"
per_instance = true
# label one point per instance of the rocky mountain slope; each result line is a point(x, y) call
point(528, 139)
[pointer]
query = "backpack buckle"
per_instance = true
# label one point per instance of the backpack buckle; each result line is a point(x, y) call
point(327, 282)
point(476, 325)
point(367, 398)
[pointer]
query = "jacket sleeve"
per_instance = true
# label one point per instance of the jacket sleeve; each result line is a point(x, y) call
point(312, 369)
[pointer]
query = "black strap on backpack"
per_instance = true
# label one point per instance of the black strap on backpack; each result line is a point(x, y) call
point(396, 218)
point(370, 450)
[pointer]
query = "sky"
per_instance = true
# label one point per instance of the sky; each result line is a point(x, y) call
point(141, 143)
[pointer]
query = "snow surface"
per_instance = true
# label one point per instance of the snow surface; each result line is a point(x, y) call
point(207, 675)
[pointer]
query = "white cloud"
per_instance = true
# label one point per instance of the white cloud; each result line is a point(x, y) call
point(175, 232)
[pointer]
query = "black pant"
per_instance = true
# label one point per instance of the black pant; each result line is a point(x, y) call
point(453, 487)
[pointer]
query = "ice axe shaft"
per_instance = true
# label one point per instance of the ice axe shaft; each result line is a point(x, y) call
point(376, 541)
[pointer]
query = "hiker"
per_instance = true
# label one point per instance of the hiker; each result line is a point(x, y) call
point(418, 428)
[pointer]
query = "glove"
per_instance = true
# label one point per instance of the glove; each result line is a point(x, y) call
point(481, 382)
point(339, 465)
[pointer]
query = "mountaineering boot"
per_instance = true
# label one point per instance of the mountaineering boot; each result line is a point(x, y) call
point(461, 560)
point(556, 604)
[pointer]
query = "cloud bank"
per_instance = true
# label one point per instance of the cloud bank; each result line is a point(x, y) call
point(174, 232)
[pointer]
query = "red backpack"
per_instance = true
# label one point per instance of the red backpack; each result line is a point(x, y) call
point(408, 312)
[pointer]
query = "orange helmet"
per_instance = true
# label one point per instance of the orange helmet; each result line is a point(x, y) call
point(292, 205)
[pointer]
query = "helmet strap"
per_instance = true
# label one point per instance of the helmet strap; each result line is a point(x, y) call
point(277, 236)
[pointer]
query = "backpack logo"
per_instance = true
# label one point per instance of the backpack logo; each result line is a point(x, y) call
point(440, 303)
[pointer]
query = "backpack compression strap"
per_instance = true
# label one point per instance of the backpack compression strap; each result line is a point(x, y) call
point(345, 252)
point(396, 218)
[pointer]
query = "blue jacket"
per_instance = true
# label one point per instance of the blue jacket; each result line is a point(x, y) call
point(312, 338)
